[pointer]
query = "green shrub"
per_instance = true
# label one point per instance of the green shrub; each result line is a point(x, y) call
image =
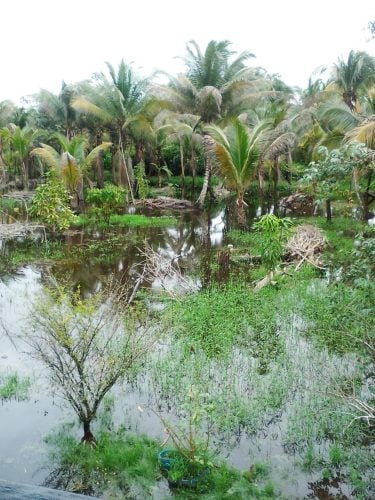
point(51, 204)
point(106, 200)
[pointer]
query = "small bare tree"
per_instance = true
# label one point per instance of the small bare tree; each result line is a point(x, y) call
point(88, 344)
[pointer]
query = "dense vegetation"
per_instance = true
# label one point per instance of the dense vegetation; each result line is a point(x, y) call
point(275, 337)
point(221, 115)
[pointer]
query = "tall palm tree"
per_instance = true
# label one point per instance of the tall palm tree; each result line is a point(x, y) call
point(237, 150)
point(56, 111)
point(72, 162)
point(214, 87)
point(350, 76)
point(114, 101)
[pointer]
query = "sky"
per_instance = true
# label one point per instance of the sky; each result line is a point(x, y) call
point(44, 42)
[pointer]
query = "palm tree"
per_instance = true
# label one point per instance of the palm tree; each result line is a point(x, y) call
point(214, 87)
point(342, 125)
point(278, 138)
point(350, 76)
point(237, 150)
point(72, 162)
point(56, 111)
point(115, 101)
point(181, 128)
point(19, 142)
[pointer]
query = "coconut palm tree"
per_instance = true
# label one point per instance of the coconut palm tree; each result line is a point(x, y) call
point(115, 101)
point(351, 76)
point(237, 150)
point(278, 138)
point(56, 111)
point(19, 142)
point(215, 86)
point(72, 162)
point(341, 125)
point(181, 128)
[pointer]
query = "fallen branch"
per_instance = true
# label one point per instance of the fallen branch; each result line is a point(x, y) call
point(164, 202)
point(306, 244)
point(166, 272)
point(19, 230)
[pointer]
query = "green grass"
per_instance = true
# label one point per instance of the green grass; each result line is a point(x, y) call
point(249, 241)
point(338, 317)
point(126, 220)
point(12, 386)
point(177, 181)
point(126, 465)
point(217, 317)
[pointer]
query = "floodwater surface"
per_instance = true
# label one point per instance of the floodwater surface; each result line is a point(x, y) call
point(277, 433)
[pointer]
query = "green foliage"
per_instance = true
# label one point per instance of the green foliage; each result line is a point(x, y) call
point(127, 220)
point(124, 465)
point(177, 180)
point(333, 166)
point(237, 153)
point(216, 318)
point(142, 182)
point(338, 316)
point(274, 232)
point(120, 460)
point(14, 386)
point(247, 241)
point(10, 207)
point(50, 204)
point(335, 455)
point(190, 437)
point(361, 270)
point(106, 200)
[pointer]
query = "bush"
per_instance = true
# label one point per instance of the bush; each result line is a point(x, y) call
point(106, 200)
point(50, 204)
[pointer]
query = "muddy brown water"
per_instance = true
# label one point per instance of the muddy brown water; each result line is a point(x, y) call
point(24, 424)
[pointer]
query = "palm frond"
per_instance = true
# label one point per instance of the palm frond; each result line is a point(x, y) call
point(364, 133)
point(85, 106)
point(70, 171)
point(338, 115)
point(91, 157)
point(48, 155)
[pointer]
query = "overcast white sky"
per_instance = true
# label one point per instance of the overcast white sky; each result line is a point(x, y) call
point(46, 41)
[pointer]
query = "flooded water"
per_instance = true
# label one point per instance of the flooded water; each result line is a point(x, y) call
point(194, 241)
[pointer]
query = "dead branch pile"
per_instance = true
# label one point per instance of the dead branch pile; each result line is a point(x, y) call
point(19, 230)
point(306, 245)
point(164, 202)
point(164, 272)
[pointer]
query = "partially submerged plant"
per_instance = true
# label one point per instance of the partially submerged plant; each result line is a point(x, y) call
point(274, 232)
point(87, 344)
point(190, 457)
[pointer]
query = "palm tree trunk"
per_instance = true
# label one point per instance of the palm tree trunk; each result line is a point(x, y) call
point(182, 164)
point(193, 167)
point(208, 147)
point(99, 167)
point(241, 213)
point(24, 175)
point(261, 180)
point(124, 166)
point(328, 210)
